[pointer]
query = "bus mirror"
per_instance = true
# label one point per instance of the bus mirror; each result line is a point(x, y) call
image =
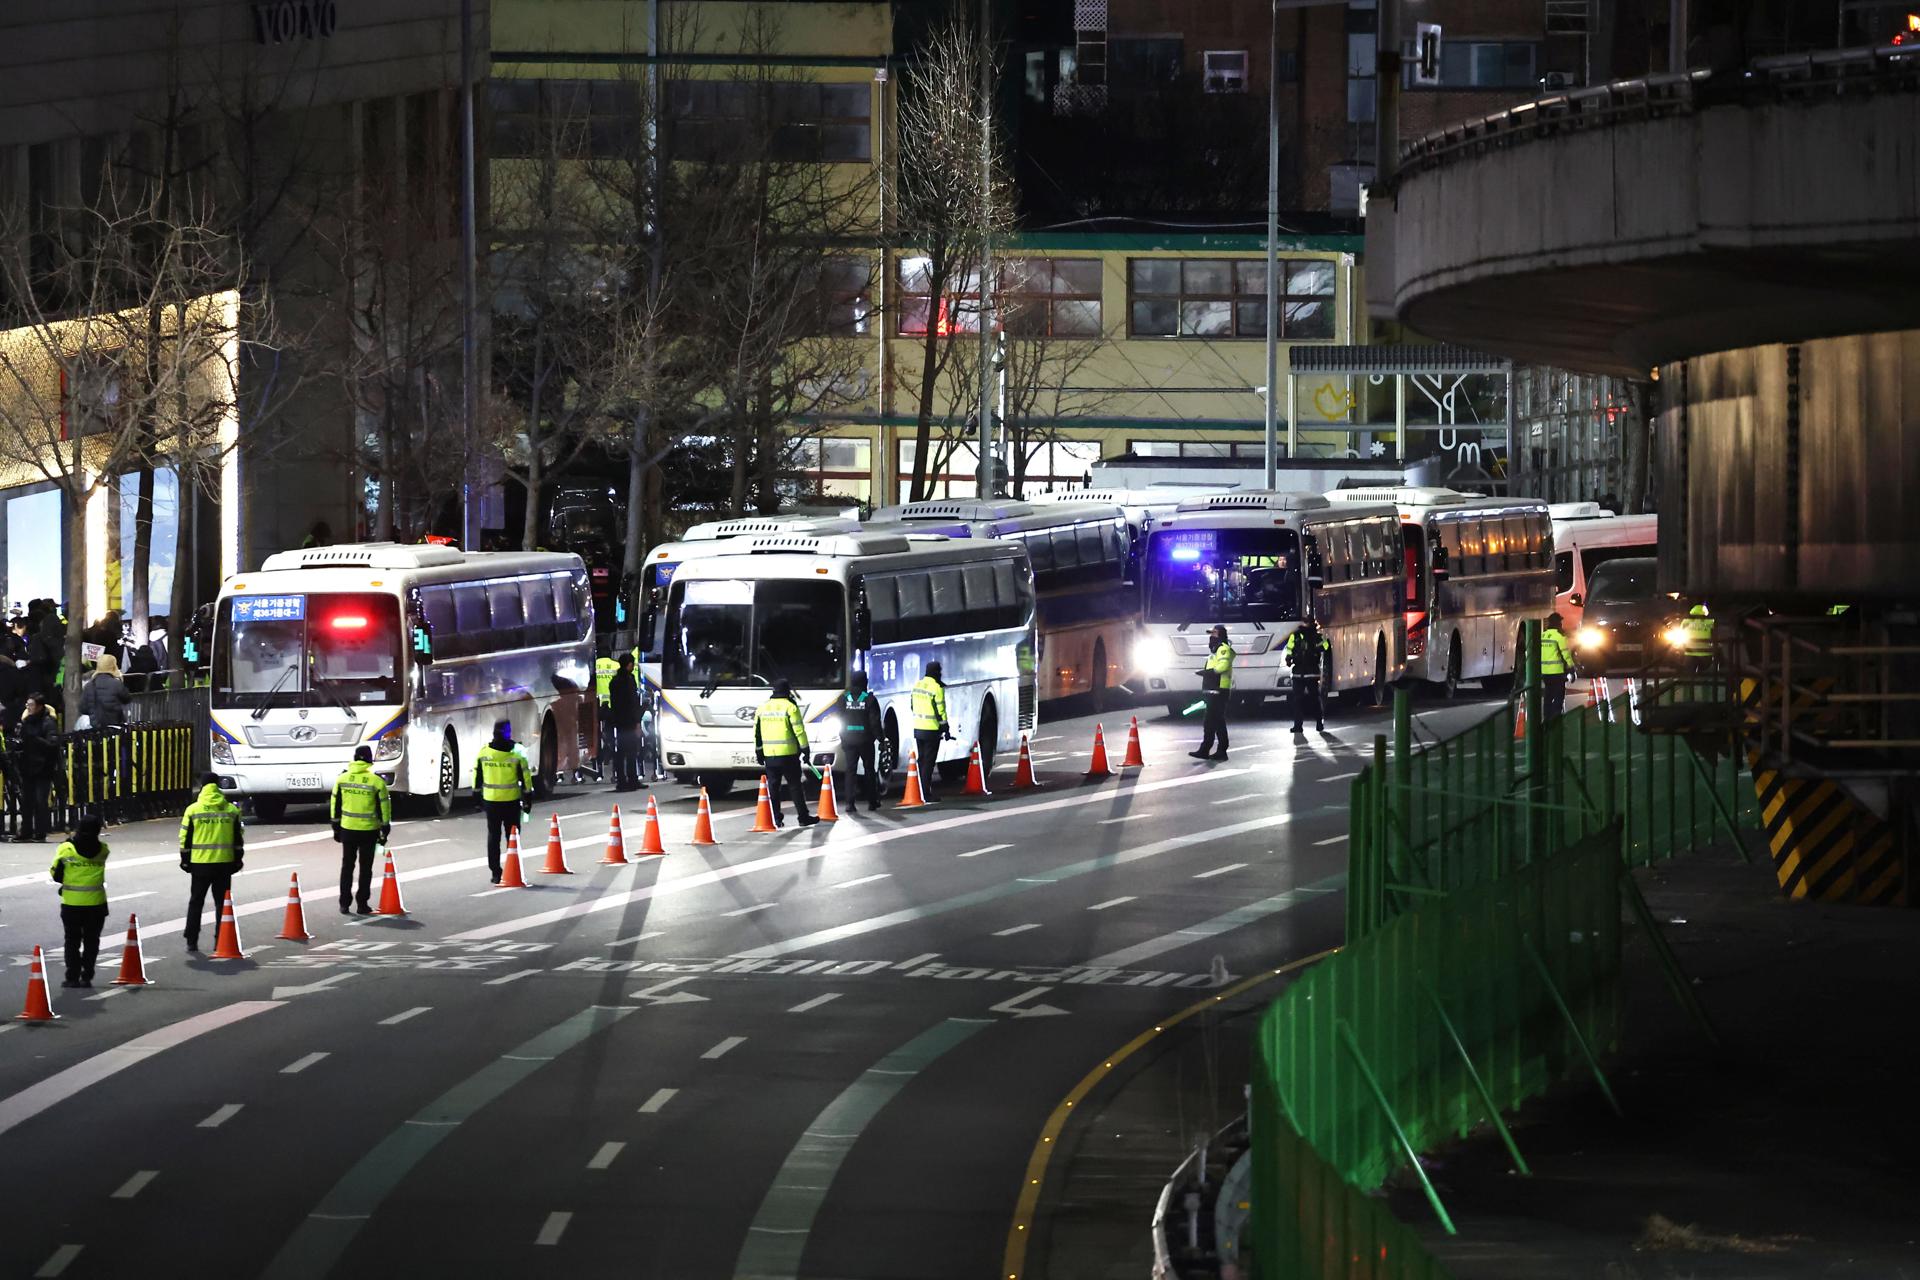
point(1310, 549)
point(1576, 600)
point(423, 644)
point(1439, 562)
point(862, 626)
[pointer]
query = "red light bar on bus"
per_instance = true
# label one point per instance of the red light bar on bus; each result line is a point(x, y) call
point(348, 622)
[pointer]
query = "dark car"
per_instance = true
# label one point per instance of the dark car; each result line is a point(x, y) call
point(1629, 624)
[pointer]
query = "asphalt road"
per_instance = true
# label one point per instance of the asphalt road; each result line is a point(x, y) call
point(820, 1054)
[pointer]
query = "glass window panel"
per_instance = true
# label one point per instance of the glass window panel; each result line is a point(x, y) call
point(1154, 275)
point(1076, 318)
point(1024, 275)
point(536, 601)
point(1154, 448)
point(1077, 276)
point(1488, 64)
point(566, 604)
point(1519, 65)
point(1252, 318)
point(845, 102)
point(1360, 105)
point(916, 595)
point(1307, 320)
point(1250, 279)
point(846, 455)
point(1024, 317)
point(1456, 62)
point(1159, 318)
point(1310, 279)
point(844, 143)
point(979, 585)
point(916, 275)
point(1208, 278)
point(470, 609)
point(913, 315)
point(1206, 319)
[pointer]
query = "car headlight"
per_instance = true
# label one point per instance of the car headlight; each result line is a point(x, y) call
point(389, 747)
point(830, 725)
point(1589, 638)
point(1677, 634)
point(1153, 655)
point(222, 749)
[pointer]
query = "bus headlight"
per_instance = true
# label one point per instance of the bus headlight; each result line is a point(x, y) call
point(389, 747)
point(1677, 634)
point(222, 750)
point(830, 726)
point(1153, 655)
point(1590, 638)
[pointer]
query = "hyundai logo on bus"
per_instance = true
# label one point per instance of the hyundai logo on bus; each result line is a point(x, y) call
point(303, 733)
point(745, 714)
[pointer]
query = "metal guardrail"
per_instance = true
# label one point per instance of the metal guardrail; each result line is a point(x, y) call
point(121, 775)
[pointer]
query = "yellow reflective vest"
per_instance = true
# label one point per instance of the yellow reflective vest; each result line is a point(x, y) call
point(1699, 631)
point(929, 701)
point(1220, 662)
point(210, 828)
point(502, 777)
point(1553, 652)
point(779, 729)
point(83, 880)
point(604, 670)
point(361, 801)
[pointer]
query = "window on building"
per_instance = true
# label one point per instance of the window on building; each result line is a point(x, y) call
point(1224, 71)
point(1231, 449)
point(845, 296)
point(1226, 298)
point(836, 467)
point(1144, 63)
point(1038, 297)
point(802, 121)
point(573, 117)
point(1485, 64)
point(1060, 464)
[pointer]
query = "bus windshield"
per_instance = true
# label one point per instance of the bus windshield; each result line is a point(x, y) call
point(307, 651)
point(732, 633)
point(1223, 575)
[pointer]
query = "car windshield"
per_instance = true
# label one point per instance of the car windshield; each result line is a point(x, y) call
point(1223, 575)
point(732, 633)
point(1624, 581)
point(307, 650)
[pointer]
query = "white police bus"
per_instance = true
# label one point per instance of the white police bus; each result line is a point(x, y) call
point(1258, 562)
point(810, 609)
point(414, 651)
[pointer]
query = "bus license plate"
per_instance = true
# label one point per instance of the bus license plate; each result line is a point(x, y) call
point(743, 760)
point(304, 781)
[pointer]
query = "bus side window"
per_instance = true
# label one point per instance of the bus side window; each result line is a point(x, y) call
point(566, 607)
point(1376, 533)
point(949, 598)
point(1093, 546)
point(536, 600)
point(1008, 583)
point(469, 620)
point(1040, 550)
point(1563, 571)
point(880, 604)
point(506, 619)
point(1519, 541)
point(1066, 549)
point(982, 607)
point(917, 618)
point(436, 606)
point(1472, 550)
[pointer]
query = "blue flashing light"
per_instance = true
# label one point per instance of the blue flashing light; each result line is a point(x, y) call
point(1185, 553)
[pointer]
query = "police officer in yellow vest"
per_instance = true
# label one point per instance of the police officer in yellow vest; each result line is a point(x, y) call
point(779, 743)
point(362, 813)
point(1216, 687)
point(1307, 653)
point(1556, 659)
point(1699, 633)
point(212, 851)
point(605, 668)
point(80, 868)
point(504, 782)
point(928, 702)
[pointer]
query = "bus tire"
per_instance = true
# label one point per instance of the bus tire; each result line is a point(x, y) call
point(440, 803)
point(990, 732)
point(269, 808)
point(1452, 686)
point(887, 752)
point(716, 785)
point(547, 776)
point(1382, 692)
point(1097, 683)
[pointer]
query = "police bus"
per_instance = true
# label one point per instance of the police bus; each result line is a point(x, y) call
point(1258, 562)
point(1474, 570)
point(1089, 607)
point(810, 608)
point(414, 651)
point(1141, 508)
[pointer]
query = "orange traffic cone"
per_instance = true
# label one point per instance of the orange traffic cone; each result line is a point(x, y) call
point(511, 877)
point(976, 776)
point(295, 927)
point(703, 822)
point(39, 1008)
point(1098, 766)
point(763, 810)
point(911, 797)
point(616, 854)
point(556, 853)
point(133, 967)
point(1134, 759)
point(390, 904)
point(226, 946)
point(1023, 779)
point(827, 811)
point(650, 838)
point(1519, 720)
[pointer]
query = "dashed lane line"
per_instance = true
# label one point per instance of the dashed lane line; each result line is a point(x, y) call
point(109, 993)
point(1321, 844)
point(638, 937)
point(807, 1005)
point(918, 960)
point(1234, 919)
point(279, 902)
point(40, 877)
point(1241, 798)
point(1220, 871)
point(417, 844)
point(606, 1155)
point(1111, 902)
point(511, 977)
point(220, 1116)
point(135, 1185)
point(256, 871)
point(1340, 777)
point(401, 1017)
point(296, 1067)
point(725, 1047)
point(752, 910)
point(660, 1098)
point(1125, 817)
point(992, 848)
point(552, 1229)
point(1019, 928)
point(57, 1265)
point(848, 884)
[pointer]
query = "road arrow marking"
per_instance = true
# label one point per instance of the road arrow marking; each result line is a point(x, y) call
point(281, 993)
point(1017, 1006)
point(672, 997)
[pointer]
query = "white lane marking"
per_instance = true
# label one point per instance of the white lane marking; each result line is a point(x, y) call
point(918, 960)
point(309, 838)
point(1019, 928)
point(1111, 902)
point(1330, 840)
point(606, 1155)
point(60, 1086)
point(257, 949)
point(992, 848)
point(135, 1185)
point(408, 876)
point(109, 993)
point(1251, 913)
point(296, 1067)
point(1125, 817)
point(747, 911)
point(417, 844)
point(129, 897)
point(1244, 796)
point(1219, 871)
point(488, 893)
point(511, 977)
point(555, 1225)
point(848, 884)
point(40, 877)
point(401, 1017)
point(220, 1116)
point(57, 1265)
point(254, 871)
point(660, 1098)
point(590, 813)
point(638, 937)
point(814, 1003)
point(1340, 777)
point(725, 1047)
point(616, 899)
point(1051, 737)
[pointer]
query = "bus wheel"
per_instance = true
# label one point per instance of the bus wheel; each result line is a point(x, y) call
point(717, 784)
point(441, 801)
point(1097, 693)
point(1452, 688)
point(270, 809)
point(887, 751)
point(1382, 694)
point(548, 775)
point(990, 730)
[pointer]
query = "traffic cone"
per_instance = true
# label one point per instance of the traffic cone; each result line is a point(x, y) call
point(39, 1008)
point(511, 877)
point(1023, 779)
point(1519, 720)
point(827, 810)
point(650, 838)
point(911, 797)
point(1098, 766)
point(976, 776)
point(1134, 759)
point(763, 810)
point(616, 854)
point(703, 821)
point(295, 927)
point(226, 946)
point(133, 967)
point(390, 904)
point(556, 853)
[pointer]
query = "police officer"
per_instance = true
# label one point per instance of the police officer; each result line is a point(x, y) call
point(624, 708)
point(362, 820)
point(859, 738)
point(212, 851)
point(1216, 686)
point(605, 668)
point(929, 705)
point(80, 868)
point(779, 744)
point(1700, 634)
point(504, 783)
point(1306, 653)
point(1555, 660)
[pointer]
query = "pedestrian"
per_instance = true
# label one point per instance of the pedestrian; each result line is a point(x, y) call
point(80, 869)
point(928, 702)
point(213, 848)
point(623, 702)
point(859, 739)
point(779, 744)
point(1216, 687)
point(1555, 660)
point(362, 814)
point(1307, 653)
point(47, 651)
point(38, 746)
point(504, 783)
point(605, 668)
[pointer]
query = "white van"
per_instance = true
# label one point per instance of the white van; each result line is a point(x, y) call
point(1585, 536)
